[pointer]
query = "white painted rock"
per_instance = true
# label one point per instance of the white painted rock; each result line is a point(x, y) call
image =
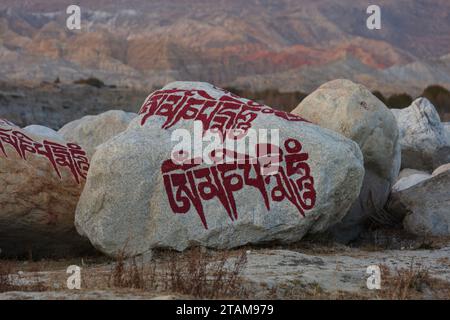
point(424, 141)
point(136, 198)
point(92, 131)
point(40, 182)
point(426, 205)
point(353, 111)
point(441, 169)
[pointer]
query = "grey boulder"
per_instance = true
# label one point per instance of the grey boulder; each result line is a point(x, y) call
point(424, 140)
point(424, 205)
point(92, 131)
point(353, 111)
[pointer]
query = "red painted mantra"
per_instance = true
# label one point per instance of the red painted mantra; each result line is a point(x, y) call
point(70, 156)
point(189, 185)
point(225, 113)
point(4, 122)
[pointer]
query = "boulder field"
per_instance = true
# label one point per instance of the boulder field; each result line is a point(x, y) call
point(200, 166)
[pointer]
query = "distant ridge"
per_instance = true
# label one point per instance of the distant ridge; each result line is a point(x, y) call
point(289, 45)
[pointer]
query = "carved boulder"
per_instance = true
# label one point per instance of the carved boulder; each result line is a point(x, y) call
point(150, 186)
point(41, 179)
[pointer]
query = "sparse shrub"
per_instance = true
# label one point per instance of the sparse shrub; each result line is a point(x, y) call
point(194, 273)
point(399, 101)
point(127, 274)
point(440, 98)
point(406, 283)
point(285, 101)
point(94, 82)
point(7, 282)
point(201, 276)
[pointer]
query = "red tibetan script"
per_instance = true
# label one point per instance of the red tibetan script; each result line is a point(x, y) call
point(189, 185)
point(70, 156)
point(224, 113)
point(4, 122)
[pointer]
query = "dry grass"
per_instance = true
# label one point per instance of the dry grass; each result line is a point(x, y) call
point(414, 282)
point(313, 291)
point(127, 274)
point(408, 282)
point(196, 273)
point(5, 281)
point(411, 283)
point(206, 274)
point(202, 276)
point(10, 280)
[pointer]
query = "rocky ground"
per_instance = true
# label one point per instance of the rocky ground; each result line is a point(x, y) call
point(411, 268)
point(400, 223)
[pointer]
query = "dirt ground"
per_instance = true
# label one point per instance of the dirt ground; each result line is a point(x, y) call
point(409, 268)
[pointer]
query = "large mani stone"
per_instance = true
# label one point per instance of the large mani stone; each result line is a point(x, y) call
point(91, 131)
point(137, 199)
point(424, 139)
point(353, 111)
point(41, 179)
